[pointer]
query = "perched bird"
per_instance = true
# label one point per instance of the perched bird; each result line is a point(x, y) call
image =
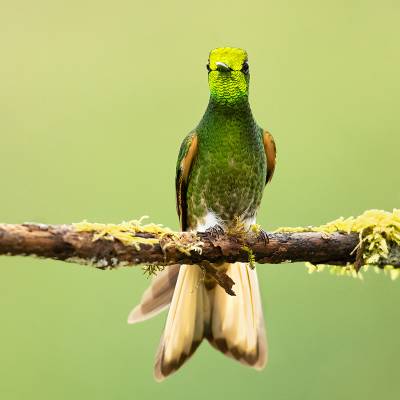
point(223, 166)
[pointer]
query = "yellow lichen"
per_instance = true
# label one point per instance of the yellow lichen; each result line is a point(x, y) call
point(241, 229)
point(252, 258)
point(184, 244)
point(152, 269)
point(256, 229)
point(378, 231)
point(127, 233)
point(236, 228)
point(124, 232)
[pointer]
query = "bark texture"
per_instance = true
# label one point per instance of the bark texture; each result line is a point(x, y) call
point(64, 242)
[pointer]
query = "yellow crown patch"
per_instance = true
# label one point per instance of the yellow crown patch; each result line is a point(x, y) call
point(231, 56)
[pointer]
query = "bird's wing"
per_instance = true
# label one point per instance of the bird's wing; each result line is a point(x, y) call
point(270, 153)
point(186, 156)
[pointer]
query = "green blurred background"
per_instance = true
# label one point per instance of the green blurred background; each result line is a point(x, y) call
point(95, 98)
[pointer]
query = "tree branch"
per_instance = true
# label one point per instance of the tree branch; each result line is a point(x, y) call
point(64, 242)
point(111, 246)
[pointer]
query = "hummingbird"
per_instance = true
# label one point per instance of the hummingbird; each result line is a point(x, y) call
point(223, 166)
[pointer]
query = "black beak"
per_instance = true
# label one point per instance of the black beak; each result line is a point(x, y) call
point(222, 67)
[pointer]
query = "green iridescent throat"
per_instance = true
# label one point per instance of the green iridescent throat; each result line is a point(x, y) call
point(229, 87)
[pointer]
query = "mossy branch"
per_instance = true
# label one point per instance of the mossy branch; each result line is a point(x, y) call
point(371, 239)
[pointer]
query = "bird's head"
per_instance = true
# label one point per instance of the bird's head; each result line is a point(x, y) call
point(228, 75)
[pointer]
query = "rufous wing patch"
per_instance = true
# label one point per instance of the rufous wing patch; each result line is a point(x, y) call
point(181, 180)
point(270, 153)
point(188, 159)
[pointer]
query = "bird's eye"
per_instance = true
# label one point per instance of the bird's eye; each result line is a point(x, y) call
point(245, 67)
point(208, 67)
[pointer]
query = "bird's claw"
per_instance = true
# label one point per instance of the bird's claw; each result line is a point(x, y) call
point(263, 236)
point(215, 231)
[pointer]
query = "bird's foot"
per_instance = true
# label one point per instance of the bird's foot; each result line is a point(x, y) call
point(263, 236)
point(215, 231)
